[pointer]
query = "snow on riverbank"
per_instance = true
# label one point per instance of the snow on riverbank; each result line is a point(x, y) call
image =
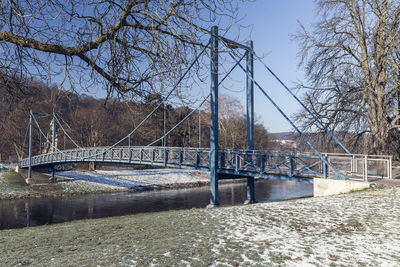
point(117, 180)
point(358, 229)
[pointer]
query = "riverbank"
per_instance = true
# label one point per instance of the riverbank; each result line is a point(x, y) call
point(12, 185)
point(357, 229)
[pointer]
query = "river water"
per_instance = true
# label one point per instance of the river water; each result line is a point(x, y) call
point(31, 212)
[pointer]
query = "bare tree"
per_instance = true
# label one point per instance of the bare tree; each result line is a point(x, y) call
point(351, 62)
point(125, 47)
point(232, 125)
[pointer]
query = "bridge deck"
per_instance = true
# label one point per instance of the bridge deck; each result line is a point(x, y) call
point(297, 167)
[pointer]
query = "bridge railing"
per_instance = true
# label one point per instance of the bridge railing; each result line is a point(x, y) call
point(352, 166)
point(361, 166)
point(281, 164)
point(235, 162)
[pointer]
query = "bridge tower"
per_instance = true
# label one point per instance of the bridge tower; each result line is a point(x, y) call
point(214, 146)
point(53, 146)
point(250, 116)
point(30, 145)
point(214, 119)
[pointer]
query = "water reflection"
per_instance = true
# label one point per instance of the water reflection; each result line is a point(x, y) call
point(31, 212)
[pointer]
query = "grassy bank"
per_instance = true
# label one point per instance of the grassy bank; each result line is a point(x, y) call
point(358, 229)
point(12, 185)
point(167, 238)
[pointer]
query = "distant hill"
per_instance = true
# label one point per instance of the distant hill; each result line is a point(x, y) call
point(284, 136)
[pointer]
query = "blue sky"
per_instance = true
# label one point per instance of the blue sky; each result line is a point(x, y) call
point(273, 22)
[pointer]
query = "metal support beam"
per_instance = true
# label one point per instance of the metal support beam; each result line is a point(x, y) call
point(325, 169)
point(53, 147)
point(214, 119)
point(291, 166)
point(199, 128)
point(250, 97)
point(250, 115)
point(165, 125)
point(30, 144)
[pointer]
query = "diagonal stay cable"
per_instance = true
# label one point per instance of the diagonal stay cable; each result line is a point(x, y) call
point(166, 97)
point(55, 148)
point(65, 132)
point(290, 121)
point(23, 144)
point(204, 100)
point(41, 132)
point(302, 104)
point(180, 122)
point(148, 116)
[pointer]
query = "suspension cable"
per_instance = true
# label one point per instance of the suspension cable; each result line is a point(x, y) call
point(40, 130)
point(180, 122)
point(65, 132)
point(148, 116)
point(302, 104)
point(204, 100)
point(23, 145)
point(165, 98)
point(289, 120)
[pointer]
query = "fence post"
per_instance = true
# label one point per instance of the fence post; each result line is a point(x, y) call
point(390, 168)
point(291, 166)
point(237, 163)
point(325, 169)
point(222, 159)
point(352, 165)
point(165, 157)
point(197, 163)
point(180, 158)
point(262, 163)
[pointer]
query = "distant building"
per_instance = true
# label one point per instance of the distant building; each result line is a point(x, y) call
point(283, 145)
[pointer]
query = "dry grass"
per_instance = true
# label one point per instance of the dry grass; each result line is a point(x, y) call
point(160, 238)
point(359, 229)
point(13, 185)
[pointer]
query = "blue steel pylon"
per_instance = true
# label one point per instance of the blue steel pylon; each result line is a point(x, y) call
point(30, 145)
point(53, 147)
point(214, 201)
point(214, 119)
point(250, 117)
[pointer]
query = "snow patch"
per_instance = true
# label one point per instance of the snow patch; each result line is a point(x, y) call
point(127, 179)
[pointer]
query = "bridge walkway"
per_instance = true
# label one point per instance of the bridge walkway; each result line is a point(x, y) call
point(261, 164)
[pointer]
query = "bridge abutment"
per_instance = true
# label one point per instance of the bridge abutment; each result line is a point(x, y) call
point(326, 187)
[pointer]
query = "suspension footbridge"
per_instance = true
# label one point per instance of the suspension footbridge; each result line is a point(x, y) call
point(220, 163)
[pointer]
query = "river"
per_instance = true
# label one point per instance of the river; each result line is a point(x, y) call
point(19, 213)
